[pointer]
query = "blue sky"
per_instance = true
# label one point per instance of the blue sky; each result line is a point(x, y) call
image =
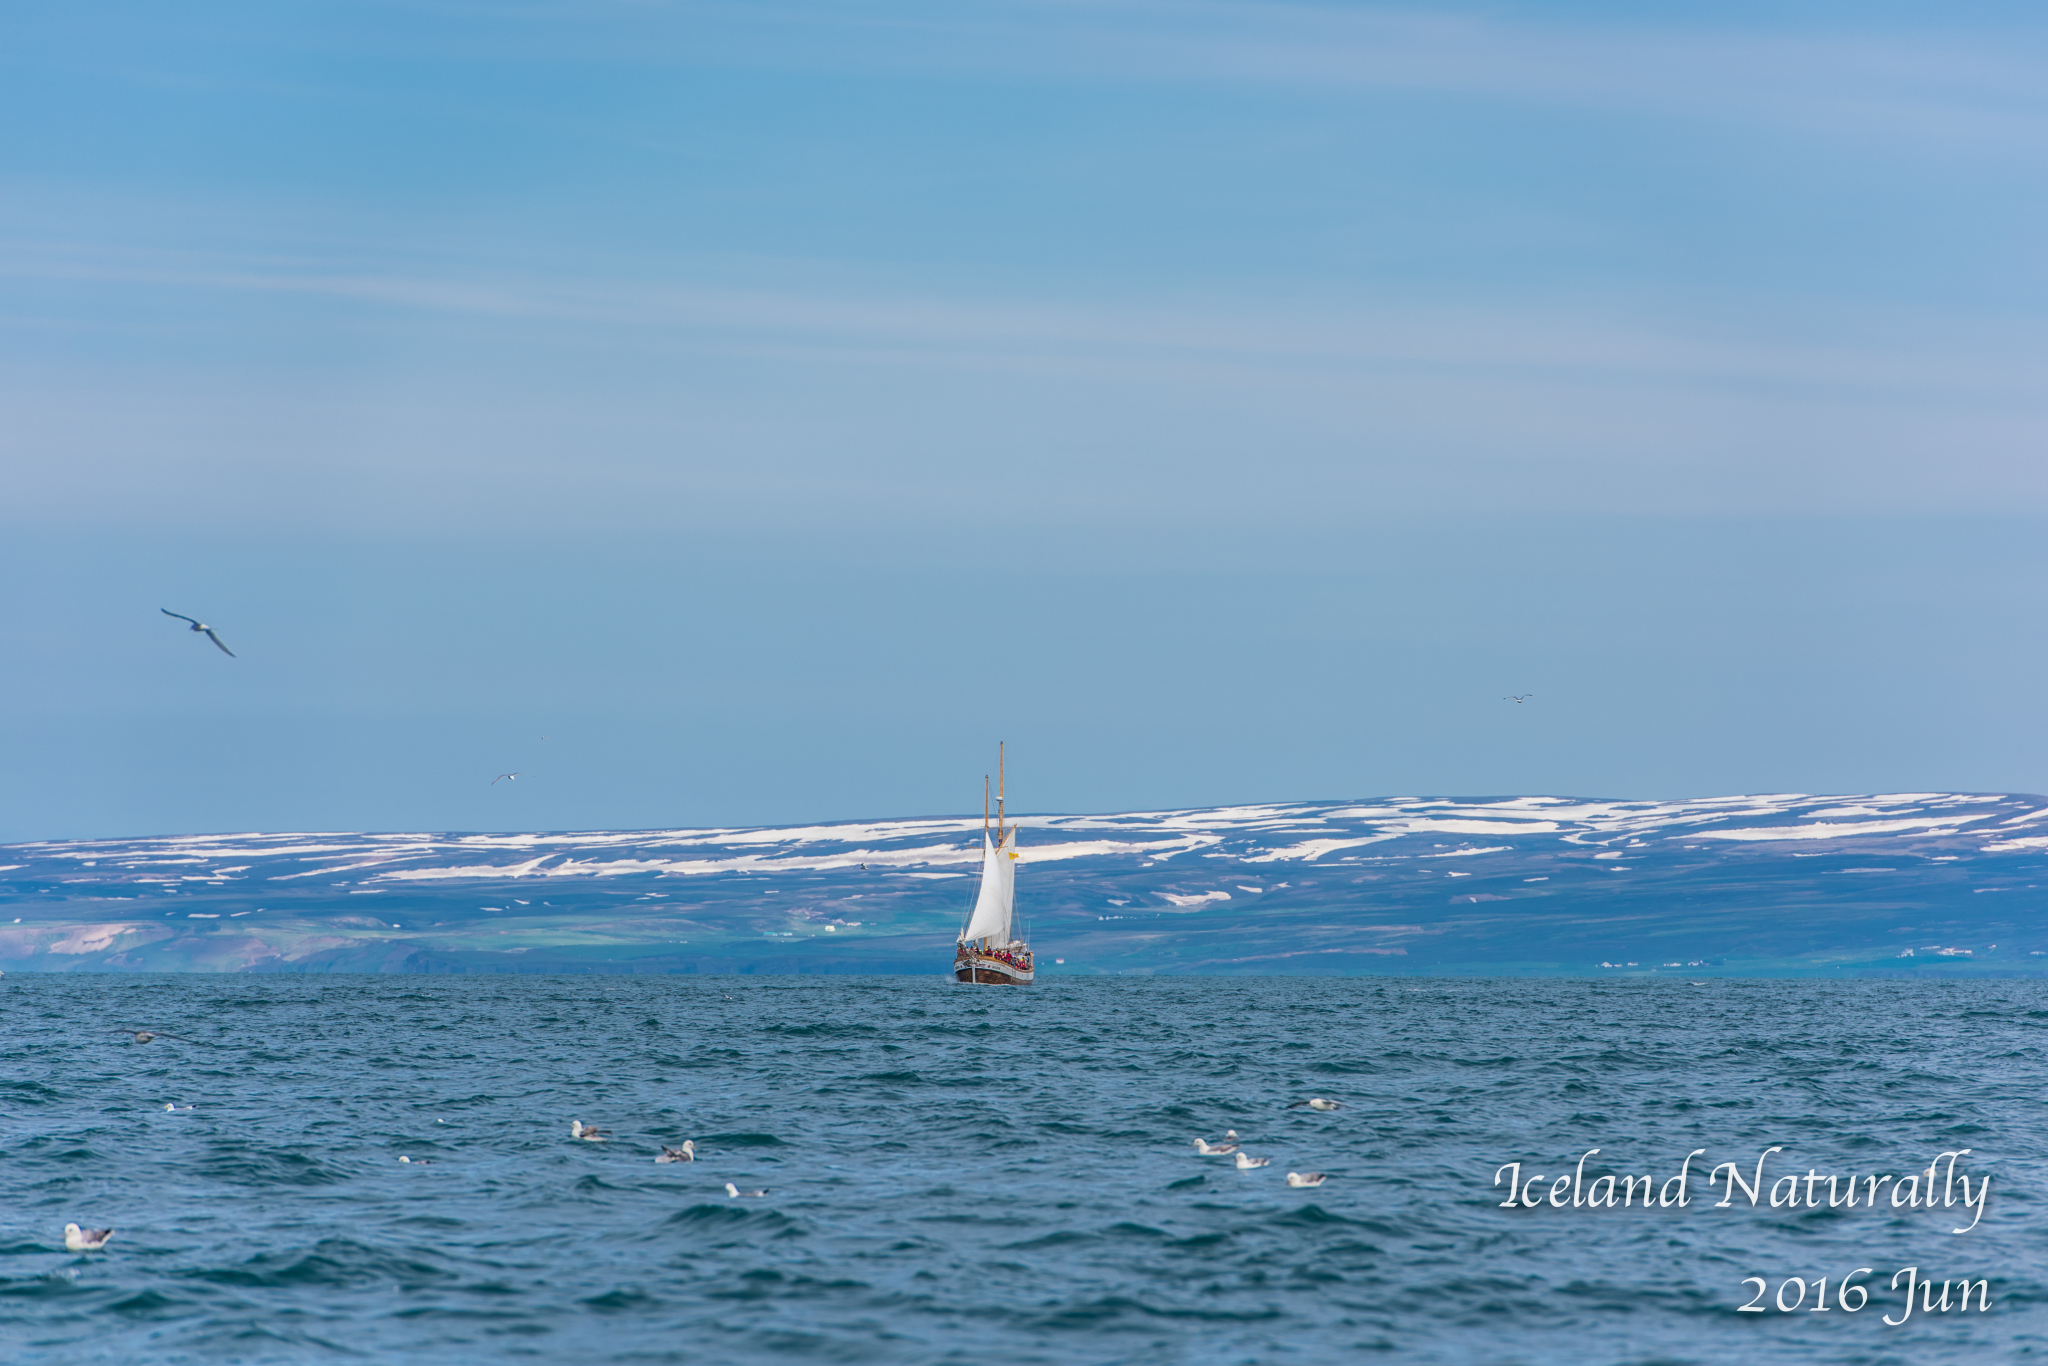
point(774, 405)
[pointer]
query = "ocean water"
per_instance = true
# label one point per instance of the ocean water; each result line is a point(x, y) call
point(960, 1174)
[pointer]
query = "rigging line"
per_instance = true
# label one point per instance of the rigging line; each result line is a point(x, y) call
point(968, 923)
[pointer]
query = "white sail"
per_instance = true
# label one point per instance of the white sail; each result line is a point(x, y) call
point(991, 918)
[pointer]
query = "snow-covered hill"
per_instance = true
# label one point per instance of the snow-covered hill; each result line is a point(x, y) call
point(1899, 882)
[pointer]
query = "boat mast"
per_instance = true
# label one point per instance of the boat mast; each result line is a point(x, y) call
point(984, 834)
point(999, 821)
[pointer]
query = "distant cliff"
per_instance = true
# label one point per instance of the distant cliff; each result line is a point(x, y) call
point(1915, 883)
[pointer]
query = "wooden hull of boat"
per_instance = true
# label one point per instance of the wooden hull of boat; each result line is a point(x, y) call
point(991, 970)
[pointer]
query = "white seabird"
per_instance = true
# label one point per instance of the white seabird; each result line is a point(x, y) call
point(1316, 1103)
point(1245, 1163)
point(1300, 1180)
point(1208, 1149)
point(416, 1161)
point(686, 1153)
point(171, 1107)
point(79, 1239)
point(589, 1133)
point(734, 1192)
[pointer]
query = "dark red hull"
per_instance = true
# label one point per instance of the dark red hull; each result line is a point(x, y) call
point(979, 968)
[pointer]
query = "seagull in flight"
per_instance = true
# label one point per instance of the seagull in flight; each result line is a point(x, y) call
point(1318, 1103)
point(199, 625)
point(1519, 700)
point(78, 1239)
point(506, 778)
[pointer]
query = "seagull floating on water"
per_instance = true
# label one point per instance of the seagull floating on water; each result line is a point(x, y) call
point(734, 1192)
point(201, 626)
point(416, 1161)
point(145, 1035)
point(686, 1153)
point(1245, 1163)
point(1208, 1149)
point(1301, 1180)
point(170, 1108)
point(79, 1239)
point(589, 1133)
point(1316, 1103)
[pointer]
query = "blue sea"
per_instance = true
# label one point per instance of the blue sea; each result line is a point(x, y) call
point(962, 1174)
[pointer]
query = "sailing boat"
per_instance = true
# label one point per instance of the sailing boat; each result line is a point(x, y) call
point(988, 951)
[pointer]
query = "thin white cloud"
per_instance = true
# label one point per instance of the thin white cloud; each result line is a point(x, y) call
point(1931, 86)
point(908, 327)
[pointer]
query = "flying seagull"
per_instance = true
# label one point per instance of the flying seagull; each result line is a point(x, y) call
point(1301, 1180)
point(1518, 700)
point(78, 1239)
point(506, 777)
point(1317, 1103)
point(686, 1153)
point(734, 1192)
point(589, 1133)
point(198, 625)
point(1246, 1162)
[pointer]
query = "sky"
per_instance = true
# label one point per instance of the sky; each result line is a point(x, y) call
point(736, 414)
